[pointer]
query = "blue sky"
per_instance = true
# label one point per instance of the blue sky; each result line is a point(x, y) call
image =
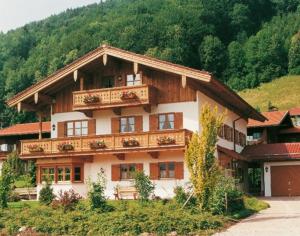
point(16, 13)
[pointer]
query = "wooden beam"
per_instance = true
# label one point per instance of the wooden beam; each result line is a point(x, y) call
point(120, 156)
point(40, 116)
point(81, 83)
point(23, 106)
point(183, 81)
point(147, 108)
point(117, 111)
point(104, 59)
point(88, 113)
point(75, 75)
point(135, 67)
point(154, 155)
point(43, 98)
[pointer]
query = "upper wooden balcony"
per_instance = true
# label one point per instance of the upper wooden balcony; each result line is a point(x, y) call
point(117, 97)
point(121, 143)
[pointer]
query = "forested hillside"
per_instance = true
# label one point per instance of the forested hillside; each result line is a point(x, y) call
point(242, 42)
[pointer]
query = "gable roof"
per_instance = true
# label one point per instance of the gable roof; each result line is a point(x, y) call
point(27, 128)
point(213, 86)
point(274, 118)
point(295, 111)
point(272, 151)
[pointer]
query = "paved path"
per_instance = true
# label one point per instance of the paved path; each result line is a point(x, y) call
point(281, 219)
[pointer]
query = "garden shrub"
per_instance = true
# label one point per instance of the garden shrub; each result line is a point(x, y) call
point(66, 199)
point(14, 197)
point(143, 185)
point(181, 196)
point(46, 194)
point(226, 186)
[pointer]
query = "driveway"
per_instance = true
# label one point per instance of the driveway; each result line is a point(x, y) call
point(282, 218)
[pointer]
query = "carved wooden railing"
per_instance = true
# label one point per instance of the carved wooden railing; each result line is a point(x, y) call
point(114, 142)
point(112, 97)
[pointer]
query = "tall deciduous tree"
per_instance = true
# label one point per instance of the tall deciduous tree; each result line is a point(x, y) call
point(294, 55)
point(200, 154)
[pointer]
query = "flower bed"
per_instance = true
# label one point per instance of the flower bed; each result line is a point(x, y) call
point(90, 99)
point(128, 95)
point(63, 147)
point(131, 142)
point(165, 140)
point(35, 148)
point(100, 144)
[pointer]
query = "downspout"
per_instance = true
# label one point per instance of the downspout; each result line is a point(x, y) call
point(233, 125)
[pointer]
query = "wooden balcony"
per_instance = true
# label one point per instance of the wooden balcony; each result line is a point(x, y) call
point(113, 97)
point(114, 144)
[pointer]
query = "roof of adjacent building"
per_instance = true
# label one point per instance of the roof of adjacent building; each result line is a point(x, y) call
point(295, 111)
point(272, 151)
point(27, 128)
point(207, 82)
point(274, 118)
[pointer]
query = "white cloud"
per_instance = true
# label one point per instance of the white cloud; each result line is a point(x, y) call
point(16, 13)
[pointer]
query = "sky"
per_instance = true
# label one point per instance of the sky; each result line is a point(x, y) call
point(16, 13)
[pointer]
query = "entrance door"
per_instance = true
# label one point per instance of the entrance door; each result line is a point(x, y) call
point(285, 180)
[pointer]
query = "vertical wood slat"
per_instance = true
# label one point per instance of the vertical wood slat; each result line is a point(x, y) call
point(179, 171)
point(178, 117)
point(138, 123)
point(61, 129)
point(153, 122)
point(115, 172)
point(154, 171)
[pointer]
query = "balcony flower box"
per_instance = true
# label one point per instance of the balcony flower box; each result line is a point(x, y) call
point(35, 148)
point(165, 140)
point(100, 144)
point(128, 95)
point(64, 147)
point(131, 142)
point(91, 99)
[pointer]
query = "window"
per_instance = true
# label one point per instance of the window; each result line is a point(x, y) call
point(77, 173)
point(127, 124)
point(133, 80)
point(127, 171)
point(166, 121)
point(257, 135)
point(77, 128)
point(48, 174)
point(63, 174)
point(167, 170)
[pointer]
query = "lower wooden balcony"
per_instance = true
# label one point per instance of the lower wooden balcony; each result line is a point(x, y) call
point(118, 97)
point(116, 144)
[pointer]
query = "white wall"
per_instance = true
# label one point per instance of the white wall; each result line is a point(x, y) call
point(267, 175)
point(240, 125)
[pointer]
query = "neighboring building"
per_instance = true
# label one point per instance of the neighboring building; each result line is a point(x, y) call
point(10, 137)
point(274, 152)
point(118, 111)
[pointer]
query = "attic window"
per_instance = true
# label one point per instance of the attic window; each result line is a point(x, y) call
point(132, 80)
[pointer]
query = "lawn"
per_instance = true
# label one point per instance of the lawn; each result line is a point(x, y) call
point(127, 217)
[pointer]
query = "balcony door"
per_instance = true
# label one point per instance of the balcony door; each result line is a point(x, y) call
point(108, 82)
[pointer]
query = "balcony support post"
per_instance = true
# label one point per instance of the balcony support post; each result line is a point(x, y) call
point(40, 124)
point(154, 155)
point(120, 156)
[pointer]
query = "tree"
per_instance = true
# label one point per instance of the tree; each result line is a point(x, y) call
point(143, 185)
point(294, 55)
point(6, 180)
point(200, 155)
point(212, 56)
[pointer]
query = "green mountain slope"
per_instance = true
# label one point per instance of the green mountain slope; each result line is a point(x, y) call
point(243, 43)
point(283, 93)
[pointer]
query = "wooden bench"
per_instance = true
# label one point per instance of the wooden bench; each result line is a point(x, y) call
point(126, 191)
point(26, 193)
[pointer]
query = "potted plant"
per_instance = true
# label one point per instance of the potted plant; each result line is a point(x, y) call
point(97, 144)
point(164, 140)
point(35, 148)
point(63, 147)
point(90, 99)
point(128, 95)
point(130, 142)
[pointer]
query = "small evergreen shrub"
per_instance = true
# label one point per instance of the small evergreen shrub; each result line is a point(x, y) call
point(14, 197)
point(46, 195)
point(143, 185)
point(181, 197)
point(67, 199)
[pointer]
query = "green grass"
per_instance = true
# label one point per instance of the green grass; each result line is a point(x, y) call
point(129, 217)
point(282, 93)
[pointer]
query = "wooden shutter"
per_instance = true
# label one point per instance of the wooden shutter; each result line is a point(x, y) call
point(154, 171)
point(115, 125)
point(179, 170)
point(115, 173)
point(138, 123)
point(178, 118)
point(61, 129)
point(92, 126)
point(139, 167)
point(153, 122)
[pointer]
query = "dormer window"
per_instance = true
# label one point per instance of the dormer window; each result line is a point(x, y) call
point(132, 80)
